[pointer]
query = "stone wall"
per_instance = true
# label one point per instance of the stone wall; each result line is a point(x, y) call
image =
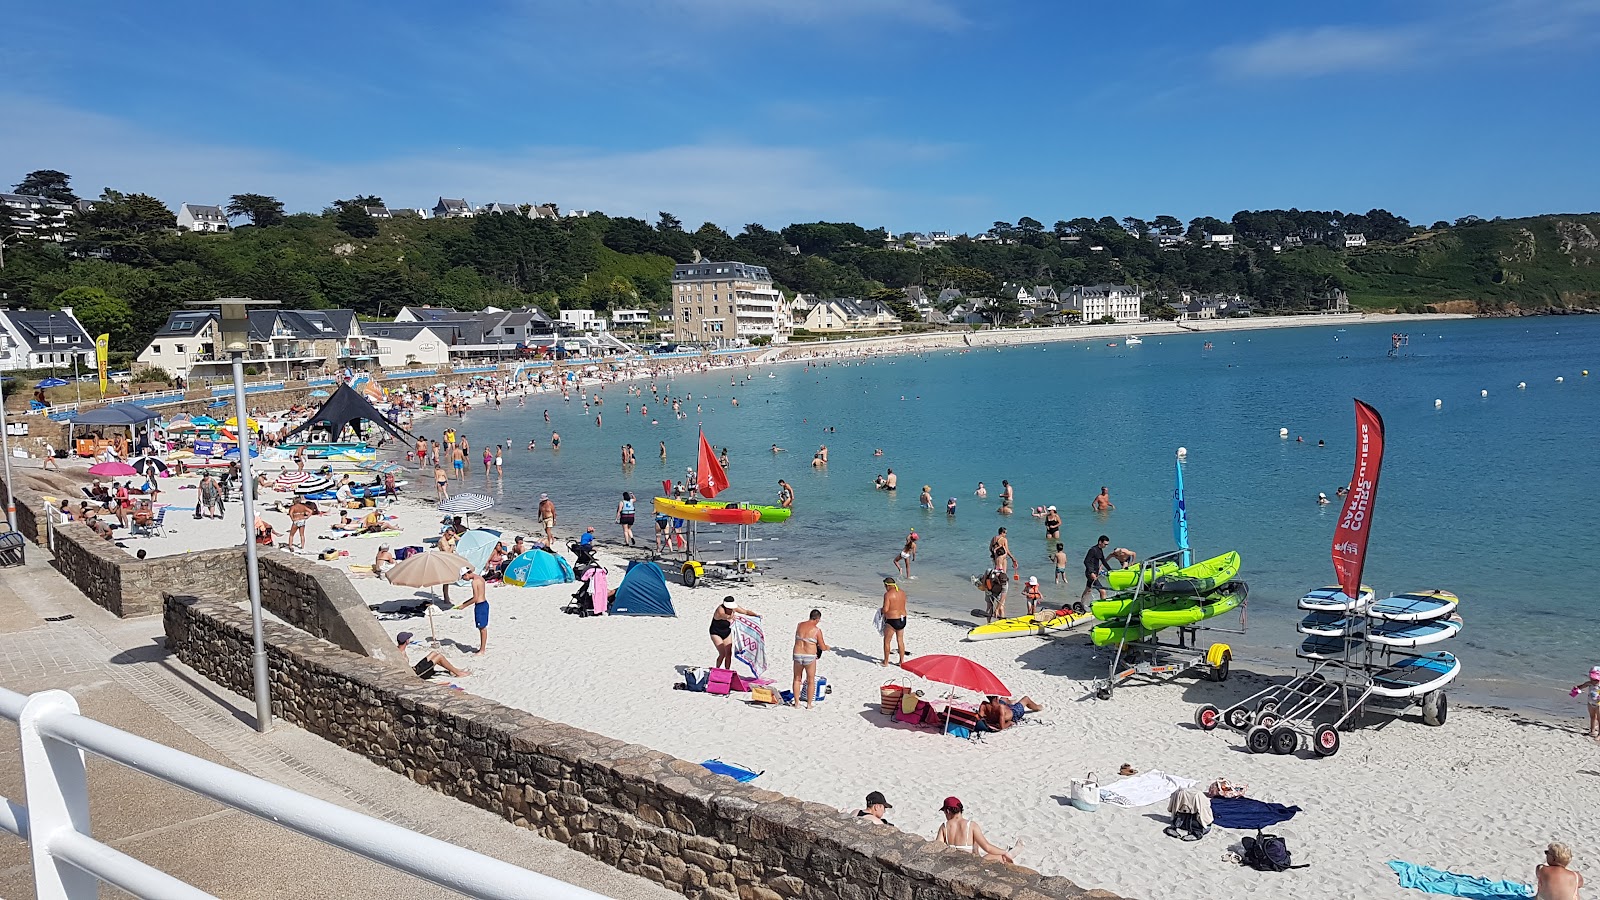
point(319, 601)
point(129, 587)
point(644, 812)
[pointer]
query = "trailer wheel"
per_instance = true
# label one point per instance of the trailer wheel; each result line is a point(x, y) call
point(1219, 656)
point(1326, 740)
point(1103, 693)
point(1207, 717)
point(1238, 718)
point(1258, 739)
point(690, 578)
point(1285, 740)
point(1435, 708)
point(1268, 719)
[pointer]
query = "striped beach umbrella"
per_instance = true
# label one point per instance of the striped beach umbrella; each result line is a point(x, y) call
point(149, 466)
point(314, 486)
point(466, 504)
point(290, 479)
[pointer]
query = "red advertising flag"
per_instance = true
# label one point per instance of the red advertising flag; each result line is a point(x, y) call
point(710, 477)
point(1355, 520)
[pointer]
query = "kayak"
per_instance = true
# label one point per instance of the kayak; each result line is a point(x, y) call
point(1202, 577)
point(1119, 606)
point(719, 513)
point(1117, 631)
point(1125, 579)
point(769, 514)
point(1023, 626)
point(1172, 613)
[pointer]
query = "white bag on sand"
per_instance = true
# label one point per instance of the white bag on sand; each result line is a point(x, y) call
point(1085, 793)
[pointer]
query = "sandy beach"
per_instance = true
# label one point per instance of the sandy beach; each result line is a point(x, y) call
point(1481, 795)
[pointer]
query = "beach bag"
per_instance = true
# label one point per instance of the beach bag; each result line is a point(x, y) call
point(1085, 793)
point(1267, 853)
point(695, 679)
point(763, 694)
point(910, 702)
point(1222, 787)
point(918, 709)
point(890, 697)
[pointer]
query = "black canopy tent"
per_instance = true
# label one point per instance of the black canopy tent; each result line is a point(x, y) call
point(347, 408)
point(120, 415)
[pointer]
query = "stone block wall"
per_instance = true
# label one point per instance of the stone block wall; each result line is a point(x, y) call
point(319, 601)
point(644, 812)
point(130, 587)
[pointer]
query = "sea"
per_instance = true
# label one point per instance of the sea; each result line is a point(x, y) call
point(1488, 489)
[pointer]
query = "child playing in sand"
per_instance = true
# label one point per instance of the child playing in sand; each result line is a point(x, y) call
point(1591, 696)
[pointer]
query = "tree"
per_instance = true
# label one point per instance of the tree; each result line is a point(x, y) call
point(360, 200)
point(47, 183)
point(1167, 224)
point(666, 221)
point(356, 222)
point(99, 312)
point(1135, 226)
point(260, 209)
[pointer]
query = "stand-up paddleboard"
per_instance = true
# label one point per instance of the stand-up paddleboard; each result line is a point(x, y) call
point(1331, 624)
point(1202, 577)
point(1413, 634)
point(1125, 579)
point(1332, 599)
point(1316, 647)
point(1170, 614)
point(1417, 606)
point(1022, 626)
point(1413, 676)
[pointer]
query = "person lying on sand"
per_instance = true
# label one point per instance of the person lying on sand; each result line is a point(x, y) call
point(999, 713)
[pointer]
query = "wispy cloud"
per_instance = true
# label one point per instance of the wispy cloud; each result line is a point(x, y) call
point(1469, 30)
point(942, 14)
point(728, 183)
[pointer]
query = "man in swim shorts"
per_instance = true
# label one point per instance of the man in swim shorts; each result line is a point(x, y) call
point(894, 619)
point(431, 662)
point(480, 607)
point(1102, 502)
point(547, 518)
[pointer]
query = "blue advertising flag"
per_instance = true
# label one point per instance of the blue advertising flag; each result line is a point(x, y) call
point(1180, 518)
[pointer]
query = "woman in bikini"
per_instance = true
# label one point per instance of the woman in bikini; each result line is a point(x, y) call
point(962, 834)
point(722, 630)
point(808, 645)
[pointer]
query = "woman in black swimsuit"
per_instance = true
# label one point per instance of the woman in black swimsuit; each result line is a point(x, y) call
point(722, 630)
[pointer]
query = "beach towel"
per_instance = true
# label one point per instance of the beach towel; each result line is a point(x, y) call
point(1143, 789)
point(596, 576)
point(1437, 881)
point(1244, 812)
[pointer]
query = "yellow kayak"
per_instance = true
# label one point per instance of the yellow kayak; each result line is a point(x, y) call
point(707, 511)
point(1022, 626)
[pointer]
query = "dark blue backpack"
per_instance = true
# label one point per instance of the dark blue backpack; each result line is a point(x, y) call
point(1267, 853)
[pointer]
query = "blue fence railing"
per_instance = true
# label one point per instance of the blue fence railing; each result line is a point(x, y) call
point(260, 388)
point(409, 373)
point(470, 370)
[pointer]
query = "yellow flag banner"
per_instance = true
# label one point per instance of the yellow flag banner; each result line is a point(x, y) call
point(102, 347)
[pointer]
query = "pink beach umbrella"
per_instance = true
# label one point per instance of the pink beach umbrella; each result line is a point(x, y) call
point(113, 469)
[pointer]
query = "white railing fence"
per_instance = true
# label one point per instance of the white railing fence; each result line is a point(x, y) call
point(68, 864)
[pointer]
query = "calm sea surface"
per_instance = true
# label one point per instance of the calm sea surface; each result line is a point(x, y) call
point(1491, 497)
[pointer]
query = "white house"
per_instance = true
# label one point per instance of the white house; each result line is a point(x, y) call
point(630, 318)
point(850, 314)
point(41, 217)
point(1219, 241)
point(406, 343)
point(451, 209)
point(378, 212)
point(196, 217)
point(1094, 302)
point(581, 320)
point(500, 209)
point(44, 338)
point(1354, 240)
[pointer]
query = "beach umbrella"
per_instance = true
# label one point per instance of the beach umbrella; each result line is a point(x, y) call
point(956, 671)
point(290, 479)
point(466, 504)
point(319, 393)
point(314, 486)
point(149, 466)
point(52, 382)
point(382, 468)
point(184, 425)
point(112, 469)
point(475, 547)
point(204, 421)
point(429, 568)
point(250, 423)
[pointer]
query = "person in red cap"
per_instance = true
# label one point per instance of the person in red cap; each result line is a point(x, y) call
point(961, 833)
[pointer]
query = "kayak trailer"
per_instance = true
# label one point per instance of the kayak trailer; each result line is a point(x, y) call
point(1156, 660)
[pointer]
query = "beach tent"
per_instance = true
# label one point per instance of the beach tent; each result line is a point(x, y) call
point(537, 568)
point(643, 592)
point(347, 408)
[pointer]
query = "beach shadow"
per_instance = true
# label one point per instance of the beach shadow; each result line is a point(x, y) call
point(874, 714)
point(848, 653)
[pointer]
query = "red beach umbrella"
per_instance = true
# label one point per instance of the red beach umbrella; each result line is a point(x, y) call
point(956, 671)
point(112, 469)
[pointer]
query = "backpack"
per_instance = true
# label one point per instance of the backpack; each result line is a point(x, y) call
point(1267, 853)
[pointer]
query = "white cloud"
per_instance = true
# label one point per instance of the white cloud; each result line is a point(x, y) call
point(942, 14)
point(1319, 51)
point(726, 182)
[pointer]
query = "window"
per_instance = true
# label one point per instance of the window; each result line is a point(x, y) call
point(178, 348)
point(510, 330)
point(155, 348)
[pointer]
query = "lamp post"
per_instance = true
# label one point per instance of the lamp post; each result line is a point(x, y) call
point(235, 328)
point(5, 448)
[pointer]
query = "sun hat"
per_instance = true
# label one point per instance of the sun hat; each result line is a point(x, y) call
point(951, 803)
point(544, 496)
point(1033, 579)
point(466, 570)
point(1595, 672)
point(1049, 509)
point(728, 603)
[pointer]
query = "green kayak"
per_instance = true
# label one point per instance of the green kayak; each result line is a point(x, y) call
point(1202, 577)
point(1189, 610)
point(770, 513)
point(1119, 606)
point(1125, 579)
point(1117, 631)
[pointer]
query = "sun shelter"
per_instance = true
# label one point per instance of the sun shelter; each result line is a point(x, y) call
point(537, 568)
point(643, 592)
point(121, 415)
point(347, 408)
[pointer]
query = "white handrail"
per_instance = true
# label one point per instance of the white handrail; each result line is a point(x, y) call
point(54, 737)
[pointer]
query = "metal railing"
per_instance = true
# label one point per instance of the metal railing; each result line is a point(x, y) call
point(68, 864)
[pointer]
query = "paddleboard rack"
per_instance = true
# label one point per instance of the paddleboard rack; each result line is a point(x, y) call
point(1156, 660)
point(742, 567)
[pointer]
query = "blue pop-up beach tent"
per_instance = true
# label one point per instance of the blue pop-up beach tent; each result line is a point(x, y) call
point(537, 568)
point(643, 592)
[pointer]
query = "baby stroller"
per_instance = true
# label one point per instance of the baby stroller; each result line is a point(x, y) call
point(583, 599)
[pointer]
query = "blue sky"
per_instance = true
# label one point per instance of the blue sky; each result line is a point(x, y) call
point(911, 114)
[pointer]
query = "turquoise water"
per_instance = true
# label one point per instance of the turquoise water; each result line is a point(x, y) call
point(1487, 497)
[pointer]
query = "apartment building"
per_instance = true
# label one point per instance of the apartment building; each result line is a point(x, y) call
point(727, 303)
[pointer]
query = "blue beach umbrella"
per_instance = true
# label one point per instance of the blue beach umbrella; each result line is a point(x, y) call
point(52, 382)
point(475, 547)
point(319, 393)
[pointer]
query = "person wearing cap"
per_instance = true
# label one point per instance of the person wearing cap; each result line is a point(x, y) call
point(480, 607)
point(876, 806)
point(431, 662)
point(1322, 499)
point(1033, 594)
point(722, 629)
point(894, 619)
point(518, 547)
point(383, 561)
point(1052, 524)
point(547, 518)
point(1591, 697)
point(961, 833)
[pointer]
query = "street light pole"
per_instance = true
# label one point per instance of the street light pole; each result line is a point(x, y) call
point(5, 447)
point(235, 327)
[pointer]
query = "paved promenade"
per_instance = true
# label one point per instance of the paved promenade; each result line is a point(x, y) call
point(120, 674)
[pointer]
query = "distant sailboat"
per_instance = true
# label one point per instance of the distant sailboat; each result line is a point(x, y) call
point(1133, 340)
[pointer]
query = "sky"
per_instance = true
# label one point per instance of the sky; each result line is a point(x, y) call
point(908, 114)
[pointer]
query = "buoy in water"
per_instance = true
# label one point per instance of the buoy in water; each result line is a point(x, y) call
point(1283, 432)
point(1438, 403)
point(1483, 393)
point(1183, 452)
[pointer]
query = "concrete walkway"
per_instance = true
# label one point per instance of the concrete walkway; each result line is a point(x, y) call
point(121, 674)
